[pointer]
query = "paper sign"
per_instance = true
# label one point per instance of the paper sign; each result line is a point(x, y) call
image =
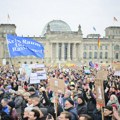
point(102, 75)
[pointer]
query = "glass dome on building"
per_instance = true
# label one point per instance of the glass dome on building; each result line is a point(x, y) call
point(57, 25)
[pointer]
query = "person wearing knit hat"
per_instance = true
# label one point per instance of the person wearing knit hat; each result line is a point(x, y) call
point(108, 112)
point(13, 113)
point(69, 107)
point(81, 105)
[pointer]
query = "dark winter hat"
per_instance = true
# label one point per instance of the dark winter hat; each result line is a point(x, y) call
point(110, 108)
point(70, 101)
point(11, 104)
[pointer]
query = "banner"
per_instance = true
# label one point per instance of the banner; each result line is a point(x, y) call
point(21, 46)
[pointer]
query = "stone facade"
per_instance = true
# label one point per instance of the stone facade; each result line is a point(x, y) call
point(68, 46)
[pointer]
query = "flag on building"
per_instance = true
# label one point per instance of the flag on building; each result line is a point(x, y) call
point(22, 46)
point(94, 28)
point(115, 19)
point(8, 17)
point(98, 42)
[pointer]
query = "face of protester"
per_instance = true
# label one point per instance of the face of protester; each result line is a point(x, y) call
point(31, 116)
point(26, 97)
point(29, 101)
point(112, 98)
point(79, 100)
point(107, 112)
point(3, 103)
point(68, 105)
point(62, 117)
point(82, 118)
point(26, 114)
point(35, 101)
point(66, 95)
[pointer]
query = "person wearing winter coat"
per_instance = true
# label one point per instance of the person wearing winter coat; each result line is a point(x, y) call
point(13, 113)
point(18, 102)
point(81, 105)
point(50, 105)
point(97, 113)
point(69, 107)
point(114, 102)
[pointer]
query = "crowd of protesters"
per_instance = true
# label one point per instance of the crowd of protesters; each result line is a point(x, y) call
point(23, 101)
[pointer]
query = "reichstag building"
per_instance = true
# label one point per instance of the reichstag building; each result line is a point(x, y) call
point(63, 45)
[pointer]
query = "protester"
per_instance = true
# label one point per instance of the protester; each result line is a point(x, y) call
point(81, 107)
point(78, 99)
point(65, 116)
point(85, 117)
point(69, 107)
point(108, 113)
point(13, 113)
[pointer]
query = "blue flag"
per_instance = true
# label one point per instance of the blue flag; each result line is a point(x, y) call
point(21, 46)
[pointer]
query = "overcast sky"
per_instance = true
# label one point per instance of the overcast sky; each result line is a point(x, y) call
point(30, 16)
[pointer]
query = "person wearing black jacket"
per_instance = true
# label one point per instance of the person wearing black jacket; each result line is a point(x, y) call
point(97, 113)
point(81, 106)
point(50, 105)
point(91, 101)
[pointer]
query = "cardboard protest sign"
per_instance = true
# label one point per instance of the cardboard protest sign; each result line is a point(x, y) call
point(57, 84)
point(102, 75)
point(116, 66)
point(99, 92)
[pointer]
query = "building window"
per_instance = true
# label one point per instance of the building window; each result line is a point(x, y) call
point(96, 47)
point(106, 47)
point(85, 47)
point(7, 63)
point(19, 62)
point(101, 47)
point(60, 48)
point(31, 62)
point(90, 47)
point(100, 55)
point(84, 55)
point(65, 48)
point(116, 56)
point(106, 55)
point(95, 55)
point(25, 62)
point(116, 47)
point(90, 55)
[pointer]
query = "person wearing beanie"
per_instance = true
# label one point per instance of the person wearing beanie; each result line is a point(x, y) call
point(13, 113)
point(81, 105)
point(108, 112)
point(69, 107)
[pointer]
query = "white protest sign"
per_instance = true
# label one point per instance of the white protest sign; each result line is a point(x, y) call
point(34, 78)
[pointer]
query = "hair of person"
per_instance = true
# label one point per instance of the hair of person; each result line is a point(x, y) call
point(5, 99)
point(36, 113)
point(86, 117)
point(67, 115)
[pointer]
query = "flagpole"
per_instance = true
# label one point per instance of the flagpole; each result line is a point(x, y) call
point(13, 69)
point(98, 49)
point(11, 62)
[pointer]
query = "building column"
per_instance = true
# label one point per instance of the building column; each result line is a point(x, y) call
point(74, 51)
point(68, 52)
point(63, 51)
point(57, 51)
point(51, 52)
